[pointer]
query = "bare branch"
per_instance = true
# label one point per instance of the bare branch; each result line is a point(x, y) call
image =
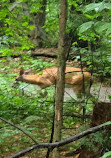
point(18, 129)
point(77, 115)
point(47, 52)
point(63, 142)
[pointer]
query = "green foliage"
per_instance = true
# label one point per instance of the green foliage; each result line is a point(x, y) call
point(99, 14)
point(28, 111)
point(99, 27)
point(39, 64)
point(15, 27)
point(106, 155)
point(98, 60)
point(93, 141)
point(52, 24)
point(92, 22)
point(84, 27)
point(97, 31)
point(19, 105)
point(35, 7)
point(74, 19)
point(97, 7)
point(13, 102)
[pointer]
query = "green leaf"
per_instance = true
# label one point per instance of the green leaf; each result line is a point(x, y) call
point(31, 27)
point(25, 24)
point(41, 72)
point(106, 155)
point(97, 7)
point(92, 16)
point(84, 27)
point(103, 26)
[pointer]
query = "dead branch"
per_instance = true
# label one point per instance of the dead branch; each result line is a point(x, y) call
point(63, 142)
point(77, 115)
point(47, 52)
point(18, 129)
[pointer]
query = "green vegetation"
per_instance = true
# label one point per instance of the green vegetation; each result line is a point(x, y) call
point(27, 111)
point(89, 30)
point(25, 107)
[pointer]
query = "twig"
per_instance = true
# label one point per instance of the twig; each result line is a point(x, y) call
point(63, 142)
point(18, 129)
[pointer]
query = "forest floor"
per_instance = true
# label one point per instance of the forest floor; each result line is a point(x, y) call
point(9, 67)
point(102, 93)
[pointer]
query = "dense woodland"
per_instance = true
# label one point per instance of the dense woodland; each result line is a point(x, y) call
point(66, 41)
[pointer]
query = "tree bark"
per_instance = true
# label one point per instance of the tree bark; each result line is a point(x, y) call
point(37, 35)
point(60, 76)
point(101, 114)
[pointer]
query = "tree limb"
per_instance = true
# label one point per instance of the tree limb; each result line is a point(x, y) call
point(63, 142)
point(18, 129)
point(47, 52)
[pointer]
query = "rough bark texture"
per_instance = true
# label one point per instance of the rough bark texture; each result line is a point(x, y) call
point(60, 76)
point(101, 114)
point(37, 35)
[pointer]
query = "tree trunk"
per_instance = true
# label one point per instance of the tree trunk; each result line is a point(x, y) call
point(60, 76)
point(37, 35)
point(101, 114)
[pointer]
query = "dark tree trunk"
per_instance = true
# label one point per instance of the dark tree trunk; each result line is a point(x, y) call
point(101, 114)
point(37, 35)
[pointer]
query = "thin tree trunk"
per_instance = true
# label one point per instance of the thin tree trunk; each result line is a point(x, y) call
point(60, 76)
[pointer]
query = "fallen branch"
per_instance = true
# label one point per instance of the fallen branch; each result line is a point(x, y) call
point(63, 142)
point(47, 52)
point(13, 55)
point(77, 115)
